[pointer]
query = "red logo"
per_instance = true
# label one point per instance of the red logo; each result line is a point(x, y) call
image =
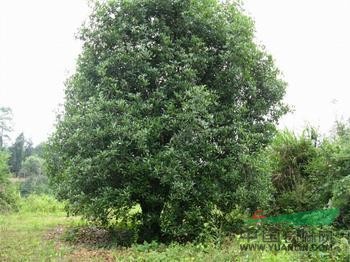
point(258, 214)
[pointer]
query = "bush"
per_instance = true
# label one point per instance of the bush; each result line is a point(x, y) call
point(32, 166)
point(8, 193)
point(36, 181)
point(301, 171)
point(341, 200)
point(41, 204)
point(35, 185)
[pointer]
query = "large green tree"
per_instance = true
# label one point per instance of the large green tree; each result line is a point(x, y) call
point(169, 105)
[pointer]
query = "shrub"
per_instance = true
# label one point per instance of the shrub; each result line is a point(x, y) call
point(36, 181)
point(8, 194)
point(32, 166)
point(341, 200)
point(303, 171)
point(41, 204)
point(35, 185)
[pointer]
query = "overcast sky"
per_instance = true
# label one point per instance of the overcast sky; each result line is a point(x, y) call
point(309, 40)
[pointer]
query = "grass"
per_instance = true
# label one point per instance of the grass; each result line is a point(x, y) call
point(22, 237)
point(22, 234)
point(40, 230)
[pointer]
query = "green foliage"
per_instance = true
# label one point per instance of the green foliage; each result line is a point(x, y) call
point(169, 108)
point(28, 236)
point(32, 166)
point(340, 173)
point(44, 204)
point(36, 180)
point(28, 149)
point(8, 195)
point(220, 225)
point(341, 157)
point(19, 151)
point(17, 154)
point(39, 150)
point(35, 185)
point(341, 200)
point(297, 162)
point(310, 173)
point(341, 250)
point(290, 157)
point(40, 236)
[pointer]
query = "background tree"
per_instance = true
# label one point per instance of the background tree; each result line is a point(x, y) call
point(310, 172)
point(36, 181)
point(338, 173)
point(21, 149)
point(8, 196)
point(28, 149)
point(17, 154)
point(32, 166)
point(39, 150)
point(5, 124)
point(169, 107)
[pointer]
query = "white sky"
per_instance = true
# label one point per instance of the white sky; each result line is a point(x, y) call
point(37, 51)
point(309, 39)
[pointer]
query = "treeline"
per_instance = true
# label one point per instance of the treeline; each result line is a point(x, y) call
point(20, 161)
point(306, 172)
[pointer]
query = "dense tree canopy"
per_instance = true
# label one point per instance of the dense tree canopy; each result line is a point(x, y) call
point(170, 104)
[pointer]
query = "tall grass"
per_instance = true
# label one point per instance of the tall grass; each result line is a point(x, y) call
point(42, 204)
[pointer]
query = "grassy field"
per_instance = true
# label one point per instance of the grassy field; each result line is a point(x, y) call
point(40, 232)
point(38, 237)
point(22, 237)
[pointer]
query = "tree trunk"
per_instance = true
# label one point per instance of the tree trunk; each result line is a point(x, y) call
point(150, 229)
